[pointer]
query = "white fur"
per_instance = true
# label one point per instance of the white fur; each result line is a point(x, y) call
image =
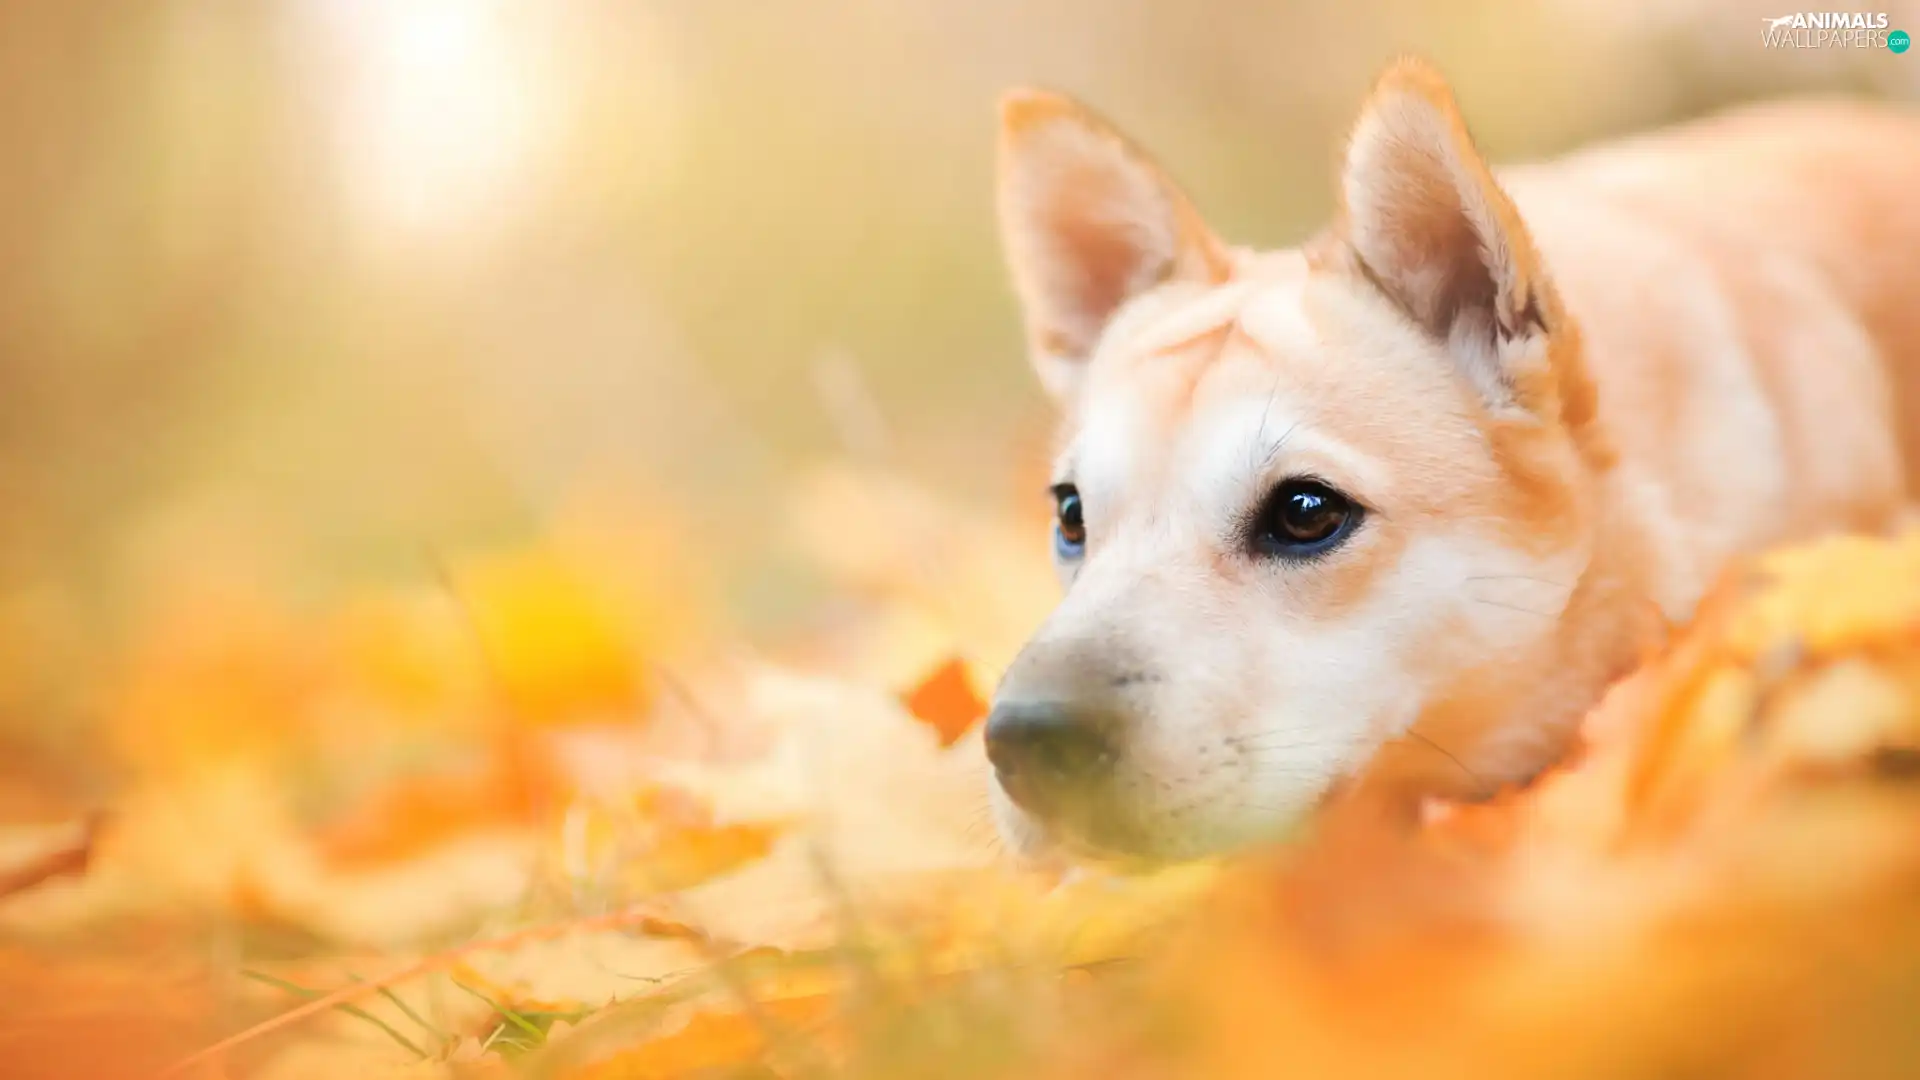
point(1265, 702)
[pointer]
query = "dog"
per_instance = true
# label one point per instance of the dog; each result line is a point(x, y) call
point(1381, 516)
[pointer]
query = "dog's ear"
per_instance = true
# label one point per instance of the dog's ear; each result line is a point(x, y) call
point(1088, 222)
point(1429, 227)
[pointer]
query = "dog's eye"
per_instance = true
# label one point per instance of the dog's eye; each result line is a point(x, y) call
point(1069, 530)
point(1303, 518)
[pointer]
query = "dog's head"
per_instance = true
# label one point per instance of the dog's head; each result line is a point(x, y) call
point(1319, 511)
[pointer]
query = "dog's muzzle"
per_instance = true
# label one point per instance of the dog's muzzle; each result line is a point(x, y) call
point(1047, 755)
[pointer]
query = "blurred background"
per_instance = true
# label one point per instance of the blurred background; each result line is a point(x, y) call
point(311, 291)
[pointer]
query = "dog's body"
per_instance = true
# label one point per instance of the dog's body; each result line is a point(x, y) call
point(1386, 513)
point(1749, 309)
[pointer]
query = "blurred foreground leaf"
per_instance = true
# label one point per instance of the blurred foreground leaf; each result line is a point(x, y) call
point(946, 701)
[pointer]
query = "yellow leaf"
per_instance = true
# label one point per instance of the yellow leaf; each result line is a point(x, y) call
point(412, 654)
point(554, 643)
point(663, 840)
point(712, 1040)
point(687, 857)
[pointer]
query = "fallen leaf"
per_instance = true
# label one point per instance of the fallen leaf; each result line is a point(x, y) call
point(66, 860)
point(946, 701)
point(661, 839)
point(687, 857)
point(552, 639)
point(517, 783)
point(714, 1039)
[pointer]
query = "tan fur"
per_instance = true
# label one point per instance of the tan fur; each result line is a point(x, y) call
point(1567, 395)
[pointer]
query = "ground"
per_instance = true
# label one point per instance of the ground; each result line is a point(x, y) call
point(536, 817)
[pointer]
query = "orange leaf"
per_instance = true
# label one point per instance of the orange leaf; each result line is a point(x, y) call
point(665, 840)
point(510, 996)
point(220, 677)
point(516, 786)
point(67, 860)
point(688, 857)
point(712, 1040)
point(947, 702)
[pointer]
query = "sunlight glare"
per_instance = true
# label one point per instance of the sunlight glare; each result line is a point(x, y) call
point(437, 113)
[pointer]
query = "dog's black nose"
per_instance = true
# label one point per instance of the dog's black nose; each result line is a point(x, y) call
point(1040, 748)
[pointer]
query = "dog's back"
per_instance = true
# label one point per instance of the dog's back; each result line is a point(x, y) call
point(1833, 183)
point(1749, 293)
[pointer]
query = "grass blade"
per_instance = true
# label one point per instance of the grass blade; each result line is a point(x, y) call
point(507, 1014)
point(352, 1010)
point(405, 1009)
point(647, 920)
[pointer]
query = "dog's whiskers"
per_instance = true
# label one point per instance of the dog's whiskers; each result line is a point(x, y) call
point(982, 833)
point(1276, 756)
point(1480, 783)
point(1260, 433)
point(1519, 577)
point(1278, 445)
point(1274, 741)
point(1516, 607)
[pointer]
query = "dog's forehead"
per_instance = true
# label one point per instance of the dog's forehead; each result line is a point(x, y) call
point(1181, 379)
